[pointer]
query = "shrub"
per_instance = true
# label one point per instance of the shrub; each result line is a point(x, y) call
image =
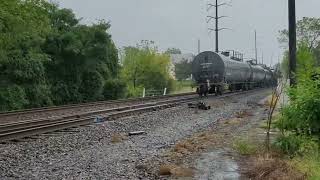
point(293, 145)
point(38, 95)
point(303, 111)
point(91, 86)
point(12, 98)
point(114, 89)
point(134, 92)
point(308, 165)
point(244, 147)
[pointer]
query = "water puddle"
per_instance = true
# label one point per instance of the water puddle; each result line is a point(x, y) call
point(216, 165)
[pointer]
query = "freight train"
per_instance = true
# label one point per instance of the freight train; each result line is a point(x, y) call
point(216, 72)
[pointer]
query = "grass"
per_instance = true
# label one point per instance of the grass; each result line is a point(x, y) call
point(244, 147)
point(271, 167)
point(308, 164)
point(183, 87)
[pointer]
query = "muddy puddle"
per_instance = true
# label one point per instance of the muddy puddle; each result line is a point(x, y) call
point(216, 165)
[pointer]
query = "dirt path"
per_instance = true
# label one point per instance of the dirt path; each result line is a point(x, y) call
point(209, 154)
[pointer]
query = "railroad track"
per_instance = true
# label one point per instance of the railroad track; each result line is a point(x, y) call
point(28, 128)
point(46, 112)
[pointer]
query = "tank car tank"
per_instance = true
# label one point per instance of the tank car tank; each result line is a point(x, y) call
point(214, 70)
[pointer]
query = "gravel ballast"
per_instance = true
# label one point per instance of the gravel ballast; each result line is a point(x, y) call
point(103, 151)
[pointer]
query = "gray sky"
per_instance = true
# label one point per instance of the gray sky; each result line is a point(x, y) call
point(180, 23)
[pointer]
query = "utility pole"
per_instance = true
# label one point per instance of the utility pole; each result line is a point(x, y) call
point(216, 17)
point(255, 46)
point(292, 42)
point(199, 50)
point(217, 27)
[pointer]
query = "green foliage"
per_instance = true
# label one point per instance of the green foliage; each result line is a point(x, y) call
point(82, 57)
point(12, 97)
point(38, 95)
point(144, 67)
point(308, 31)
point(184, 86)
point(296, 145)
point(23, 28)
point(183, 70)
point(91, 86)
point(51, 57)
point(244, 147)
point(114, 89)
point(173, 51)
point(134, 91)
point(303, 112)
point(305, 60)
point(309, 165)
point(308, 35)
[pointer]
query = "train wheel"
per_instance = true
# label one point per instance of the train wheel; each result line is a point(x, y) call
point(231, 88)
point(219, 90)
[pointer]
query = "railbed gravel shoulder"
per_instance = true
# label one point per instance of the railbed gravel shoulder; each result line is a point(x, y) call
point(89, 153)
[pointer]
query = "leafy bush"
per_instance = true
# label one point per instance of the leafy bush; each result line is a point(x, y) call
point(63, 94)
point(303, 111)
point(39, 95)
point(309, 165)
point(91, 86)
point(47, 57)
point(293, 145)
point(144, 66)
point(114, 89)
point(12, 98)
point(134, 92)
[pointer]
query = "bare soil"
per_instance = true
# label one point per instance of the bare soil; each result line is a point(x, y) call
point(209, 154)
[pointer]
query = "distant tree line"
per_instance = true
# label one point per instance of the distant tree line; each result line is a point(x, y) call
point(145, 67)
point(308, 37)
point(182, 69)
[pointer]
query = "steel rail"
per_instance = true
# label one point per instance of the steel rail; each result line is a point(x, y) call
point(73, 106)
point(33, 123)
point(18, 130)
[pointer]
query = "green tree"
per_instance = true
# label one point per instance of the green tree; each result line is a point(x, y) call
point(144, 67)
point(308, 32)
point(23, 28)
point(305, 59)
point(82, 57)
point(173, 51)
point(114, 89)
point(183, 70)
point(47, 57)
point(303, 112)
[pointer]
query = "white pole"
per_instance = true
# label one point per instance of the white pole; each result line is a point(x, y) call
point(165, 91)
point(144, 92)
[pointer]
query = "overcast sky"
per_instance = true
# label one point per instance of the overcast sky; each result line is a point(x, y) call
point(180, 23)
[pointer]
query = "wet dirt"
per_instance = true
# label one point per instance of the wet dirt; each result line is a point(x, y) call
point(217, 164)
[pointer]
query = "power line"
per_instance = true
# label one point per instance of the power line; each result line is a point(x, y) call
point(216, 17)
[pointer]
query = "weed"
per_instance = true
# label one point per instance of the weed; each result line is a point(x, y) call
point(244, 147)
point(293, 145)
point(309, 165)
